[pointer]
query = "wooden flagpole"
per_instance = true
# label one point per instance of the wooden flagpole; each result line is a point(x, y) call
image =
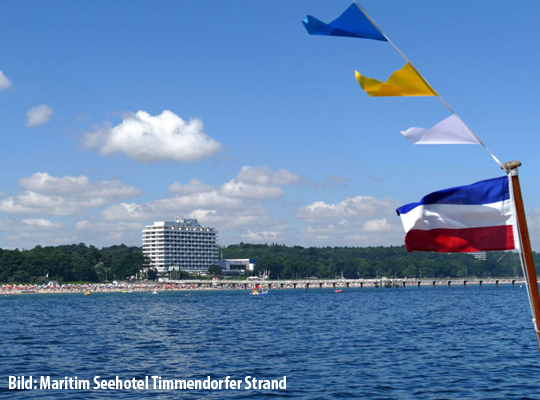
point(526, 252)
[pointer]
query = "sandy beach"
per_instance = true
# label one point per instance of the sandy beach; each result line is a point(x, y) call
point(128, 287)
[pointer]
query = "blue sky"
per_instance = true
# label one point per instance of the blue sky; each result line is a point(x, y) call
point(117, 114)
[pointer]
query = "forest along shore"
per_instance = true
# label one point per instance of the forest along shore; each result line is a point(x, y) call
point(82, 263)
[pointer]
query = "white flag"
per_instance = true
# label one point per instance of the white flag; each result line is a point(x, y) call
point(449, 131)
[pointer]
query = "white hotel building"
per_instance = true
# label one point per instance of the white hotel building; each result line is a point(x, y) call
point(182, 243)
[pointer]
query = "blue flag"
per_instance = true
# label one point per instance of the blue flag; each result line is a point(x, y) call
point(352, 23)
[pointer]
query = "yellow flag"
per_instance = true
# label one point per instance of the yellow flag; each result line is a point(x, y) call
point(404, 82)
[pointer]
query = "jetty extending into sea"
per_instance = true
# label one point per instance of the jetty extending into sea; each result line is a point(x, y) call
point(377, 282)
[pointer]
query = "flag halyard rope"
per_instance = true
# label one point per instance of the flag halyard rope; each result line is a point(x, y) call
point(427, 83)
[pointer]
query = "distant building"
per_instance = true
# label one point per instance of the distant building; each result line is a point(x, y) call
point(481, 255)
point(182, 243)
point(237, 266)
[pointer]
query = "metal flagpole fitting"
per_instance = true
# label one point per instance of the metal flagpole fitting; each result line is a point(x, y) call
point(511, 166)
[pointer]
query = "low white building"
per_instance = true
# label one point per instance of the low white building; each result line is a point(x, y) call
point(182, 243)
point(237, 266)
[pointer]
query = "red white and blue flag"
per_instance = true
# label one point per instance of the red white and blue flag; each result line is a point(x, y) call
point(477, 217)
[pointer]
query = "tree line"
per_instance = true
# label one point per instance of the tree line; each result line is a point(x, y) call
point(290, 262)
point(70, 263)
point(79, 262)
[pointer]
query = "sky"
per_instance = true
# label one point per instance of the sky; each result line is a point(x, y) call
point(114, 115)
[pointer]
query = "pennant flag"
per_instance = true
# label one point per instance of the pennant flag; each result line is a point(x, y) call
point(449, 131)
point(352, 23)
point(477, 217)
point(404, 82)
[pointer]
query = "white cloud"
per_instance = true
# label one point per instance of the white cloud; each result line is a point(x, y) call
point(235, 208)
point(263, 175)
point(106, 215)
point(81, 225)
point(29, 225)
point(333, 181)
point(240, 189)
point(38, 223)
point(168, 208)
point(38, 115)
point(285, 177)
point(32, 238)
point(258, 175)
point(207, 200)
point(235, 202)
point(252, 214)
point(360, 206)
point(358, 221)
point(105, 233)
point(105, 226)
point(148, 138)
point(194, 186)
point(129, 211)
point(251, 207)
point(31, 232)
point(262, 237)
point(68, 195)
point(4, 81)
point(378, 225)
point(43, 182)
point(259, 182)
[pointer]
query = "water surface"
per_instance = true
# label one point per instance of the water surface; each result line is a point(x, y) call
point(399, 343)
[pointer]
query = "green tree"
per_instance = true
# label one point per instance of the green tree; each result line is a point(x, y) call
point(215, 270)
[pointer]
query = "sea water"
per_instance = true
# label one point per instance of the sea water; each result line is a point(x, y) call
point(387, 343)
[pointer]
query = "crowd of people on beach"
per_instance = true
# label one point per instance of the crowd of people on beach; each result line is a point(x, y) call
point(109, 287)
point(152, 286)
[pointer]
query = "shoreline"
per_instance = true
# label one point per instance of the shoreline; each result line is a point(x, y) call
point(124, 287)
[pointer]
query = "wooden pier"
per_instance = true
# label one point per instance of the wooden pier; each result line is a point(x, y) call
point(334, 283)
